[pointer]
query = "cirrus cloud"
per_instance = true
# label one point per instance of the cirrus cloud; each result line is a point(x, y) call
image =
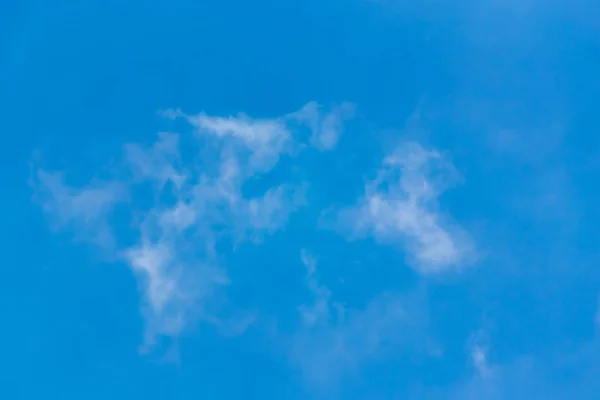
point(194, 206)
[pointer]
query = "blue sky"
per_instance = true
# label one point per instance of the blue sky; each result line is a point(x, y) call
point(313, 200)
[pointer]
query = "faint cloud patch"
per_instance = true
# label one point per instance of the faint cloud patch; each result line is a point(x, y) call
point(334, 342)
point(400, 205)
point(84, 210)
point(326, 128)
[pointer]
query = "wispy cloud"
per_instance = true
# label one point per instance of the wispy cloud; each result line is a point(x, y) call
point(181, 211)
point(160, 163)
point(334, 341)
point(265, 140)
point(561, 373)
point(326, 127)
point(84, 210)
point(479, 359)
point(401, 206)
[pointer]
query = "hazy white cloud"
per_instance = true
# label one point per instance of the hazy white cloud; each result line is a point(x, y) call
point(343, 340)
point(178, 285)
point(561, 373)
point(519, 380)
point(270, 211)
point(220, 201)
point(401, 205)
point(326, 127)
point(180, 217)
point(175, 259)
point(335, 341)
point(160, 163)
point(479, 359)
point(265, 139)
point(85, 210)
point(319, 311)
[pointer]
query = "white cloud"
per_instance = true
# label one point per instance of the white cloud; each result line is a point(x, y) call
point(266, 140)
point(178, 286)
point(320, 310)
point(209, 207)
point(180, 217)
point(334, 341)
point(479, 359)
point(179, 271)
point(221, 202)
point(158, 163)
point(326, 128)
point(85, 209)
point(518, 380)
point(400, 204)
point(154, 262)
point(327, 350)
point(270, 211)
